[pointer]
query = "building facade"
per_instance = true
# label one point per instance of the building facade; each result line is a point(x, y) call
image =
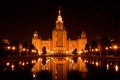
point(59, 44)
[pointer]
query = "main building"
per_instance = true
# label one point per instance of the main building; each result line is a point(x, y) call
point(59, 44)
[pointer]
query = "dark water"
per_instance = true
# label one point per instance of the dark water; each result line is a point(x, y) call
point(67, 68)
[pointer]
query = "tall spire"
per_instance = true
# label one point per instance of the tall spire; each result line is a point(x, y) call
point(59, 22)
point(59, 16)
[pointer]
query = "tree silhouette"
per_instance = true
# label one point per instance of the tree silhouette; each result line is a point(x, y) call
point(25, 44)
point(94, 44)
point(44, 50)
point(74, 51)
point(104, 42)
point(87, 47)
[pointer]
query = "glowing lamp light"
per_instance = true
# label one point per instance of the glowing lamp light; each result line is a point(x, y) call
point(13, 48)
point(96, 63)
point(110, 47)
point(7, 63)
point(39, 52)
point(23, 64)
point(34, 51)
point(23, 49)
point(8, 47)
point(106, 48)
point(80, 52)
point(115, 47)
point(34, 75)
point(27, 50)
point(66, 52)
point(51, 51)
point(96, 49)
point(26, 62)
point(92, 50)
point(32, 61)
point(85, 51)
point(93, 62)
point(116, 68)
point(107, 67)
point(12, 66)
point(67, 58)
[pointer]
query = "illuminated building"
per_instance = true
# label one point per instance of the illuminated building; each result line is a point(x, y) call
point(59, 43)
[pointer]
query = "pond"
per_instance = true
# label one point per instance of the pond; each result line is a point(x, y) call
point(60, 68)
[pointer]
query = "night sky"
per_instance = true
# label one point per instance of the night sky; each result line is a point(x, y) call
point(20, 18)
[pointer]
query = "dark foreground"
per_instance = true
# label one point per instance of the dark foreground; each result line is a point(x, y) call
point(66, 68)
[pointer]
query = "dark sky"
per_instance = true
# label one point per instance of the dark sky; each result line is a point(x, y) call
point(20, 18)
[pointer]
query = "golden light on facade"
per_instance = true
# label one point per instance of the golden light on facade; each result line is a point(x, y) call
point(32, 61)
point(80, 52)
point(116, 68)
point(85, 51)
point(67, 52)
point(48, 60)
point(60, 42)
point(34, 51)
point(8, 47)
point(39, 52)
point(70, 60)
point(79, 58)
point(67, 58)
point(39, 59)
point(85, 60)
point(7, 63)
point(52, 52)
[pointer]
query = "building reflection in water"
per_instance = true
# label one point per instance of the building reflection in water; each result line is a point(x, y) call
point(60, 66)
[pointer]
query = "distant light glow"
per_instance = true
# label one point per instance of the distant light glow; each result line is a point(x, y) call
point(97, 63)
point(23, 49)
point(116, 68)
point(115, 47)
point(93, 62)
point(13, 48)
point(96, 49)
point(67, 58)
point(8, 47)
point(23, 64)
point(12, 66)
point(106, 48)
point(107, 67)
point(7, 63)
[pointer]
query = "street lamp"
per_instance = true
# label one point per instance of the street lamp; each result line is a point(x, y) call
point(8, 47)
point(115, 47)
point(106, 48)
point(13, 49)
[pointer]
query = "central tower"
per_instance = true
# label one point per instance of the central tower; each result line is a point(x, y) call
point(59, 35)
